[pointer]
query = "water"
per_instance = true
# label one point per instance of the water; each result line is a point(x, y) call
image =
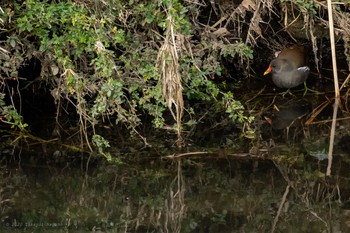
point(194, 193)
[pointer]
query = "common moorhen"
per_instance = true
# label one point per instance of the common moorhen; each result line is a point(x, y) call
point(290, 68)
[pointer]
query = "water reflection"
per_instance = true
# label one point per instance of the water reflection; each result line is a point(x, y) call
point(189, 194)
point(290, 114)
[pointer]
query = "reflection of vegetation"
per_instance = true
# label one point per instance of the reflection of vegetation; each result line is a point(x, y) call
point(214, 197)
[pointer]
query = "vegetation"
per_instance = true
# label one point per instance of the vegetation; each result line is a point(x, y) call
point(122, 62)
point(212, 196)
point(133, 67)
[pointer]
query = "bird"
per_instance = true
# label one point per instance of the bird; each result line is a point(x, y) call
point(289, 69)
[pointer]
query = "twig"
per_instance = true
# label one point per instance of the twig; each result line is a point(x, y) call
point(188, 153)
point(261, 91)
point(336, 87)
point(316, 111)
point(345, 82)
point(327, 121)
point(331, 139)
point(280, 209)
point(319, 218)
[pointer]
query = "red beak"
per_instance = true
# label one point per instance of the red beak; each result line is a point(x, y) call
point(268, 70)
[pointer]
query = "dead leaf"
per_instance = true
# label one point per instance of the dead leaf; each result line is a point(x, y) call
point(221, 32)
point(249, 4)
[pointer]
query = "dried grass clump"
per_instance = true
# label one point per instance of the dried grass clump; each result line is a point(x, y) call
point(342, 29)
point(168, 61)
point(306, 20)
point(311, 22)
point(233, 18)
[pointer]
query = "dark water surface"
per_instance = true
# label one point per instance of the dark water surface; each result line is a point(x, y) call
point(194, 193)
